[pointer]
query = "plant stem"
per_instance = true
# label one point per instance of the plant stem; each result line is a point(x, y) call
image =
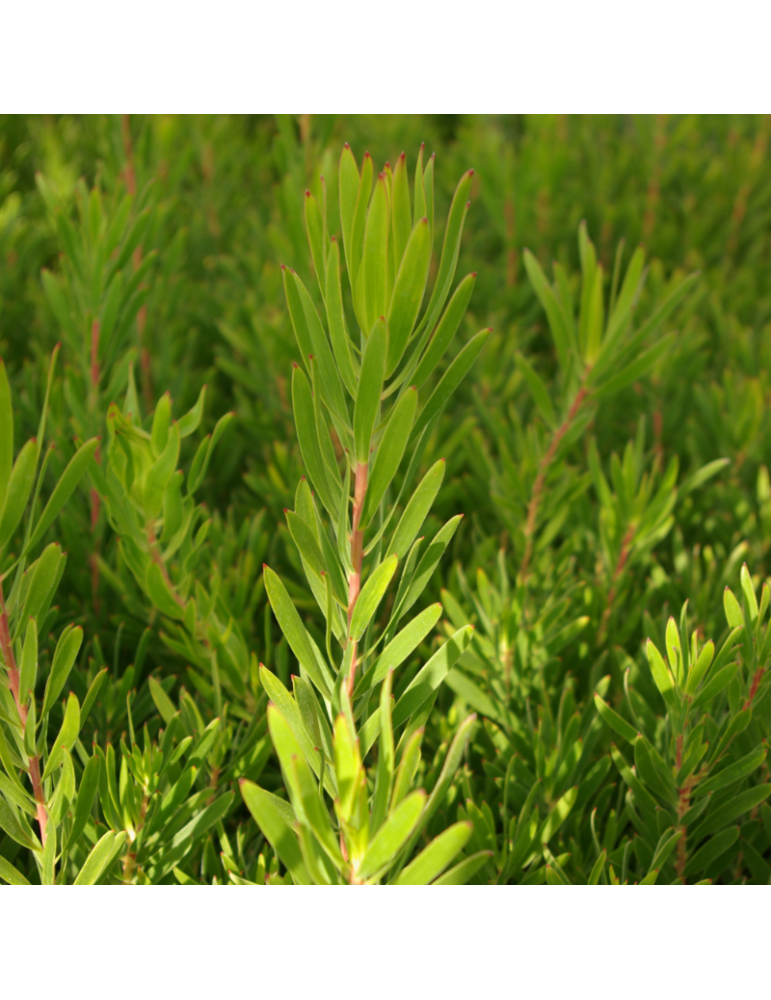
point(626, 545)
point(357, 552)
point(754, 689)
point(130, 859)
point(540, 479)
point(683, 804)
point(13, 683)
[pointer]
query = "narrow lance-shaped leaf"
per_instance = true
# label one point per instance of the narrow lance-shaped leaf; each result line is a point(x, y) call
point(433, 860)
point(18, 490)
point(445, 331)
point(370, 387)
point(371, 282)
point(390, 452)
point(338, 332)
point(63, 490)
point(371, 595)
point(392, 836)
point(348, 184)
point(451, 245)
point(417, 509)
point(408, 293)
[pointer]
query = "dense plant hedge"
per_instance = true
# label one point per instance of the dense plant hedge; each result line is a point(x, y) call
point(250, 379)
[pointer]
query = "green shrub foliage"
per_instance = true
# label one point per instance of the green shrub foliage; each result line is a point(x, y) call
point(512, 626)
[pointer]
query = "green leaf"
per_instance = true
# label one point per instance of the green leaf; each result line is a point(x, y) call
point(408, 292)
point(294, 630)
point(368, 392)
point(615, 721)
point(557, 816)
point(12, 826)
point(101, 857)
point(734, 772)
point(160, 593)
point(159, 434)
point(386, 757)
point(348, 187)
point(450, 382)
point(433, 860)
point(538, 390)
point(371, 595)
point(733, 610)
point(401, 213)
point(417, 509)
point(307, 434)
point(551, 307)
point(188, 424)
point(338, 332)
point(67, 735)
point(162, 701)
point(402, 645)
point(742, 803)
point(635, 371)
point(664, 849)
point(699, 669)
point(270, 814)
point(462, 873)
point(10, 874)
point(67, 649)
point(28, 668)
point(597, 868)
point(431, 675)
point(717, 683)
point(357, 229)
point(84, 802)
point(287, 706)
point(389, 453)
point(347, 765)
point(711, 851)
point(452, 236)
point(391, 836)
point(658, 316)
point(18, 490)
point(317, 239)
point(372, 280)
point(425, 569)
point(445, 330)
point(661, 675)
point(63, 490)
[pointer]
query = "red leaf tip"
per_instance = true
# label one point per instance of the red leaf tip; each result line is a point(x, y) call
point(346, 146)
point(307, 193)
point(471, 173)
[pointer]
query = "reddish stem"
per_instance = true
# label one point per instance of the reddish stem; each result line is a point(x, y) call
point(683, 804)
point(13, 683)
point(626, 545)
point(754, 689)
point(540, 479)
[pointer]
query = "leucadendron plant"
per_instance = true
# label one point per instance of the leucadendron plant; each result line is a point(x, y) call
point(365, 408)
